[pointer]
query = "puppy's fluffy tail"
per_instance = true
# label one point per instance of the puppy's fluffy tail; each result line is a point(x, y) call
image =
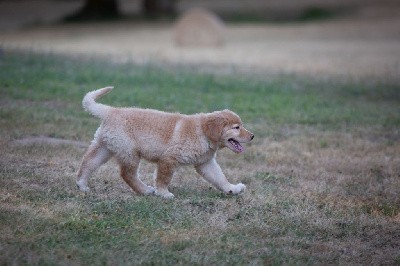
point(90, 105)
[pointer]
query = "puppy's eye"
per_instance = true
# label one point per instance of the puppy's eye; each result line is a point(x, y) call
point(237, 127)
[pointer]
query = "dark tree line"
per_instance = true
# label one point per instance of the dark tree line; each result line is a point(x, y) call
point(109, 9)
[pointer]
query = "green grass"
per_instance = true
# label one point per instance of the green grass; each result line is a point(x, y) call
point(322, 174)
point(54, 86)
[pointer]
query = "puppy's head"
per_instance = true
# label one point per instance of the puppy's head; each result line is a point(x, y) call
point(225, 128)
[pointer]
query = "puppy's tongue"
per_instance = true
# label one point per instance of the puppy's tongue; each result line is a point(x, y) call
point(236, 145)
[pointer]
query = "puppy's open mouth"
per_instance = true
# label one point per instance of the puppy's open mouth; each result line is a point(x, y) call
point(235, 145)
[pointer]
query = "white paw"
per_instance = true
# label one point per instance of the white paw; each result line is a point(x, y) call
point(149, 191)
point(236, 189)
point(82, 186)
point(165, 194)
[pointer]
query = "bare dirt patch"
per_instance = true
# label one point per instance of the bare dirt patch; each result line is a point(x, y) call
point(43, 140)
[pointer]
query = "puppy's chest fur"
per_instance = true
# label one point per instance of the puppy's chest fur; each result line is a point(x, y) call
point(155, 135)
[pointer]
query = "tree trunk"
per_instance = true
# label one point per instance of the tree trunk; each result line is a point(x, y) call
point(158, 7)
point(97, 10)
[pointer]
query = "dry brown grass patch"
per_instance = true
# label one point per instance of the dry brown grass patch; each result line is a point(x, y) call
point(329, 196)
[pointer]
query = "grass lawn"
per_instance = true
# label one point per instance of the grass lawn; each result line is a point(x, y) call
point(322, 175)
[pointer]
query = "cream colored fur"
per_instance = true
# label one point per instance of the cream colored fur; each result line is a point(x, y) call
point(167, 139)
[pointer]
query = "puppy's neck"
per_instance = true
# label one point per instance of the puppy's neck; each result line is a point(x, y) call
point(213, 146)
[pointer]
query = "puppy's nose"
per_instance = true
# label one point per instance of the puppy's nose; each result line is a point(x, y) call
point(252, 136)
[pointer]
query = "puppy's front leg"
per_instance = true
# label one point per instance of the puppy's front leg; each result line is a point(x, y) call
point(212, 172)
point(163, 176)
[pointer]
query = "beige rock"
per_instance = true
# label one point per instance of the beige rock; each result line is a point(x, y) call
point(199, 27)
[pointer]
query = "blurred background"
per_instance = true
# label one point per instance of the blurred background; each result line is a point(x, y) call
point(356, 38)
point(17, 13)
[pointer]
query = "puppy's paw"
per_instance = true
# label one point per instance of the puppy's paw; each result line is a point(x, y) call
point(82, 186)
point(236, 189)
point(165, 194)
point(149, 191)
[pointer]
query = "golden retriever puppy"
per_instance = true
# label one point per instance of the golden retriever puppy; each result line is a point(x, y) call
point(167, 139)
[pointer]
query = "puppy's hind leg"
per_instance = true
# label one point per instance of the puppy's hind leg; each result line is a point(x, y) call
point(95, 156)
point(129, 172)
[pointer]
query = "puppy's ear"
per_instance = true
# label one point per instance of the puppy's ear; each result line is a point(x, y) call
point(213, 125)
